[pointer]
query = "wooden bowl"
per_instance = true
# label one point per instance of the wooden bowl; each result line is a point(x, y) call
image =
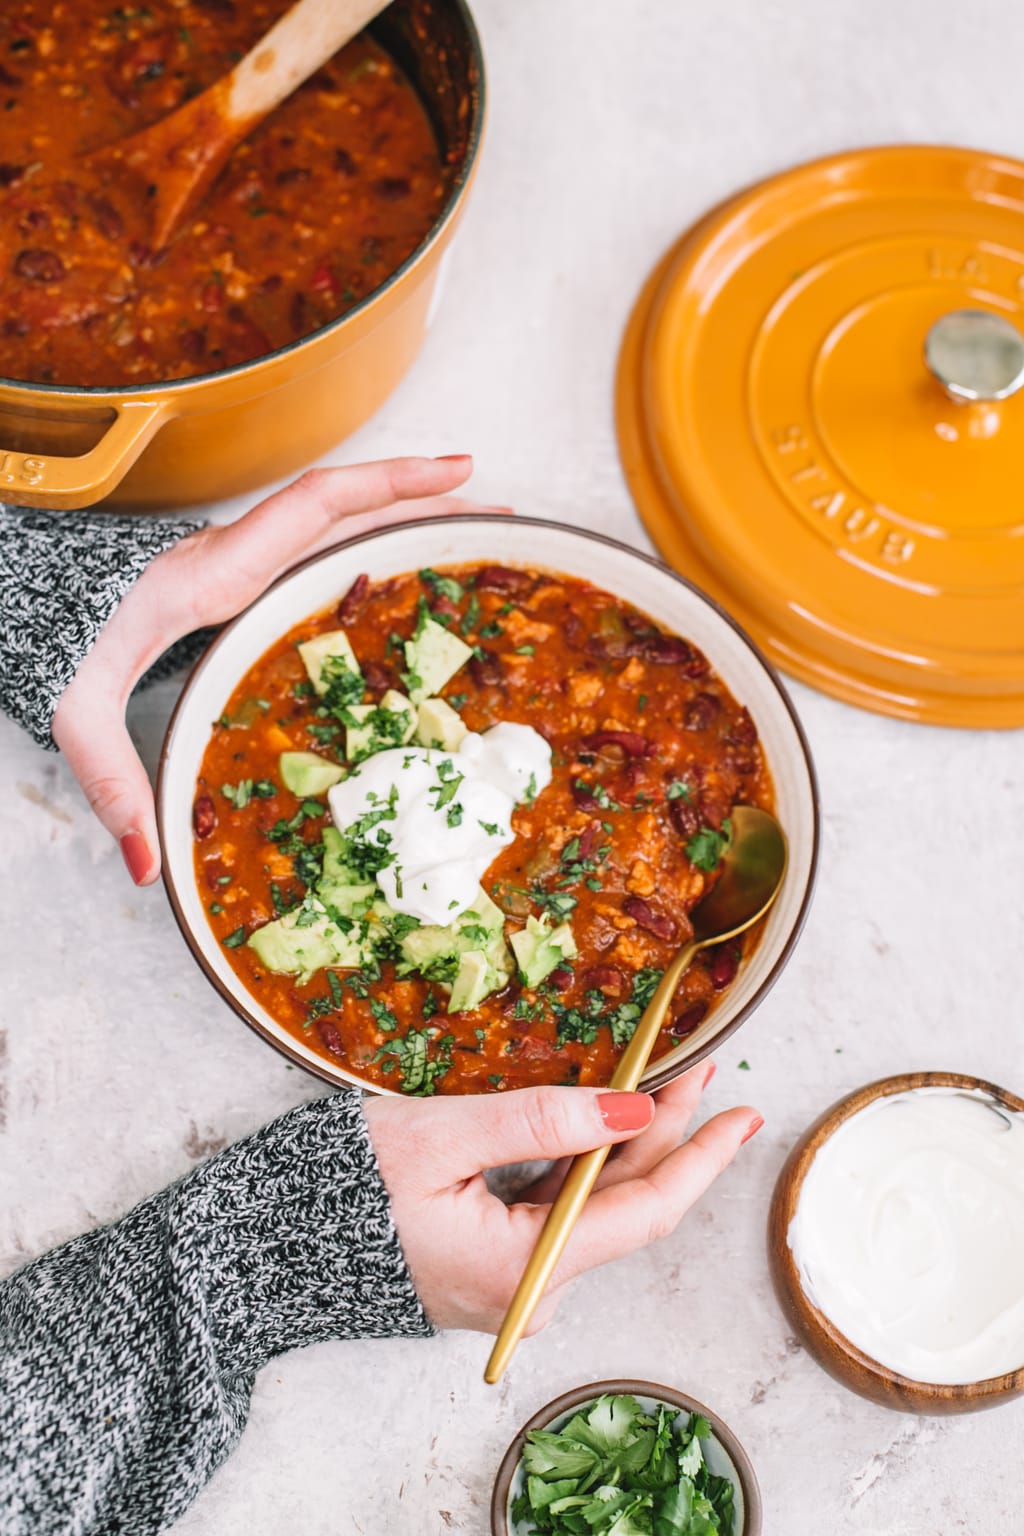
point(727, 1458)
point(831, 1348)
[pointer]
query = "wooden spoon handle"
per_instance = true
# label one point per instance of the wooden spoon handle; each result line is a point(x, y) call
point(306, 37)
point(582, 1177)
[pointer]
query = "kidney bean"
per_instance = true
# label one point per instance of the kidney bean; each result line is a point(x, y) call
point(377, 676)
point(193, 345)
point(9, 173)
point(445, 607)
point(714, 804)
point(108, 220)
point(6, 78)
point(33, 220)
point(204, 817)
point(686, 1021)
point(701, 712)
point(291, 175)
point(572, 629)
point(589, 838)
point(722, 966)
point(742, 732)
point(501, 578)
point(604, 978)
point(392, 188)
point(644, 915)
point(741, 761)
point(354, 599)
point(344, 163)
point(272, 283)
point(684, 817)
point(331, 1037)
point(38, 266)
point(631, 743)
point(486, 670)
point(298, 311)
point(583, 797)
point(560, 978)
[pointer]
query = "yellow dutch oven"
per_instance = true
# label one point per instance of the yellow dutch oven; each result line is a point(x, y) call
point(166, 445)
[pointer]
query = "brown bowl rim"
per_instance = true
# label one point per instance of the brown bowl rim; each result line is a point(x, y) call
point(576, 1396)
point(833, 1351)
point(459, 186)
point(669, 1074)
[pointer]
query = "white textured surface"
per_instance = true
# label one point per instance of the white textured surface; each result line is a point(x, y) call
point(611, 128)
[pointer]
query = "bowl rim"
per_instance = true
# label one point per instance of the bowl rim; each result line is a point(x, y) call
point(101, 393)
point(659, 1079)
point(576, 1396)
point(824, 1341)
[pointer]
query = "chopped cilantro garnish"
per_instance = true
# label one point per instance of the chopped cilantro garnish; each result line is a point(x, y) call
point(454, 816)
point(706, 847)
point(641, 703)
point(333, 981)
point(383, 1015)
point(442, 586)
point(448, 787)
point(411, 1056)
point(490, 631)
point(344, 685)
point(457, 700)
point(524, 650)
point(430, 1006)
point(238, 794)
point(234, 939)
point(744, 1066)
point(216, 908)
point(531, 790)
point(598, 793)
point(472, 615)
point(679, 789)
point(616, 1470)
point(491, 828)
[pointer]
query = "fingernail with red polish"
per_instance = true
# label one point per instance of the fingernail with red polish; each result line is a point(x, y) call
point(452, 458)
point(626, 1111)
point(753, 1128)
point(712, 1068)
point(136, 854)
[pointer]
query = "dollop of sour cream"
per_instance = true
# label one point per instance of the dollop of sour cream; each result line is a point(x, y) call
point(909, 1234)
point(448, 814)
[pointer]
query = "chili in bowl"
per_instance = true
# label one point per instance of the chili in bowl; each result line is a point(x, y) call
point(456, 805)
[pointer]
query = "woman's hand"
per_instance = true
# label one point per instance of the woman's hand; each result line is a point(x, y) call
point(466, 1250)
point(206, 579)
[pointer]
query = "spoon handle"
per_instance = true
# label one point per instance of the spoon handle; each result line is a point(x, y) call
point(581, 1178)
point(306, 36)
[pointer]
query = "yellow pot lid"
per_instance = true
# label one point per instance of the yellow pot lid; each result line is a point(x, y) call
point(815, 434)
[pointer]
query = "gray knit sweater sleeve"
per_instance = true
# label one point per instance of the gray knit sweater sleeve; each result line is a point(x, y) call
point(61, 577)
point(127, 1357)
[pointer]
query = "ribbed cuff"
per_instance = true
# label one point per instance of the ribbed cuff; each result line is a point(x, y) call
point(295, 1231)
point(62, 575)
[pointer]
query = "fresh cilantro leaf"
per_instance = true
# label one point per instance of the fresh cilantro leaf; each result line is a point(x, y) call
point(234, 939)
point(706, 847)
point(679, 789)
point(442, 586)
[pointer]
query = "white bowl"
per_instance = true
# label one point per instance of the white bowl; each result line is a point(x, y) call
point(669, 599)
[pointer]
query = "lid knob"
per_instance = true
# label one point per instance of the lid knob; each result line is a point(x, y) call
point(976, 355)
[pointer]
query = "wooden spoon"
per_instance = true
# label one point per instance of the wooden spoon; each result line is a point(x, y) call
point(752, 873)
point(181, 156)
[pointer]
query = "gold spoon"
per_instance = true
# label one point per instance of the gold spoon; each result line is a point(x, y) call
point(752, 872)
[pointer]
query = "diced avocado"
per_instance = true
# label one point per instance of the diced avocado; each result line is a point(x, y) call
point(475, 979)
point(315, 652)
point(539, 950)
point(390, 723)
point(337, 870)
point(306, 773)
point(348, 900)
point(480, 929)
point(431, 658)
point(438, 725)
point(305, 941)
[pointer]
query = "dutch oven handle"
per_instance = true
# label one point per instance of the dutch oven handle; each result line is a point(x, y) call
point(63, 484)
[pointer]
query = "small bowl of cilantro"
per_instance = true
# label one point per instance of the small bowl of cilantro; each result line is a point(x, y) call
point(625, 1458)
